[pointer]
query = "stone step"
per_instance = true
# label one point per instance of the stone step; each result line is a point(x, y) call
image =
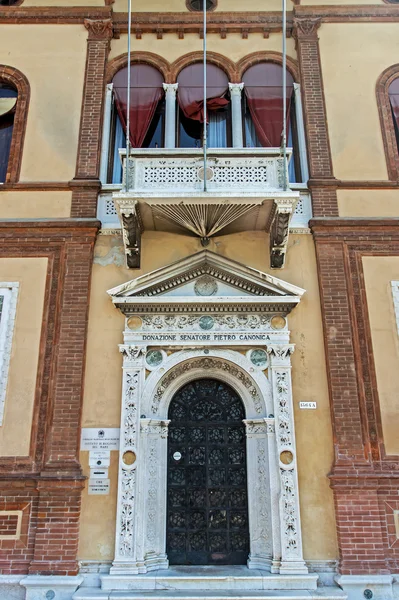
point(209, 578)
point(322, 593)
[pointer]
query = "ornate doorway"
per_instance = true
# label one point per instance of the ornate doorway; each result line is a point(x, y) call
point(207, 502)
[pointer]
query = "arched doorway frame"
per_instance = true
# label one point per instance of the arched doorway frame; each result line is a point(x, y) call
point(274, 521)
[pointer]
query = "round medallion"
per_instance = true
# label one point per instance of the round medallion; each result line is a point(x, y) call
point(206, 322)
point(209, 173)
point(177, 456)
point(154, 358)
point(205, 286)
point(259, 358)
point(278, 322)
point(286, 457)
point(129, 458)
point(134, 322)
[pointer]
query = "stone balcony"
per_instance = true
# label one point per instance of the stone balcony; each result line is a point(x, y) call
point(166, 192)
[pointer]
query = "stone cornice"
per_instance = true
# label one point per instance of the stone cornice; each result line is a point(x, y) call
point(22, 15)
point(353, 13)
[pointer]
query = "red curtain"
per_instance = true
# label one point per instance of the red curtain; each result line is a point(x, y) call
point(394, 99)
point(145, 92)
point(264, 92)
point(191, 90)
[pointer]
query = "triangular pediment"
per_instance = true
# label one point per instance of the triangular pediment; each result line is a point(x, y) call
point(205, 275)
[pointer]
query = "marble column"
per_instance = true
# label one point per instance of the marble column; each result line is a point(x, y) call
point(236, 113)
point(170, 114)
point(292, 562)
point(126, 559)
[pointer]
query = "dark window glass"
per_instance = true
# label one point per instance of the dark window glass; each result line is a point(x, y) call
point(198, 5)
point(394, 100)
point(9, 2)
point(8, 100)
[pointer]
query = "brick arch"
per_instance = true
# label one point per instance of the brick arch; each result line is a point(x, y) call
point(148, 58)
point(212, 57)
point(15, 78)
point(387, 126)
point(259, 57)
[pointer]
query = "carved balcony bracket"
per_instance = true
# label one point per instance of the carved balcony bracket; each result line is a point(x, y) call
point(132, 229)
point(279, 231)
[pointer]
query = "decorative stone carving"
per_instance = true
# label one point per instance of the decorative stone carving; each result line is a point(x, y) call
point(206, 286)
point(279, 231)
point(99, 30)
point(132, 229)
point(127, 513)
point(191, 322)
point(291, 540)
point(306, 28)
point(205, 363)
point(131, 353)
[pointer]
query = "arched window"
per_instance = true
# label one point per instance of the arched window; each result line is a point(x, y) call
point(8, 102)
point(263, 111)
point(147, 114)
point(191, 107)
point(10, 2)
point(393, 92)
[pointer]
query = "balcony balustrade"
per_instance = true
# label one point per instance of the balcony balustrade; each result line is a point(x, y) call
point(166, 192)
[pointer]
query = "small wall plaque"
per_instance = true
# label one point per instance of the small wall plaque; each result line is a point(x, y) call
point(99, 438)
point(99, 487)
point(308, 405)
point(99, 473)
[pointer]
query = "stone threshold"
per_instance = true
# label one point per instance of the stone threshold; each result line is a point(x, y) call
point(327, 593)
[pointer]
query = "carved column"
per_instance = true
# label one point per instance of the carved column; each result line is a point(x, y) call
point(290, 522)
point(86, 181)
point(170, 114)
point(153, 483)
point(126, 559)
point(260, 521)
point(322, 181)
point(236, 113)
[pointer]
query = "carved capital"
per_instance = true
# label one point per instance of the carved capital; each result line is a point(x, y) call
point(306, 28)
point(99, 30)
point(236, 89)
point(132, 353)
point(280, 354)
point(170, 89)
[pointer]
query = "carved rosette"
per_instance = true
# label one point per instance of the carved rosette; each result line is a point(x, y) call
point(291, 539)
point(133, 374)
point(101, 30)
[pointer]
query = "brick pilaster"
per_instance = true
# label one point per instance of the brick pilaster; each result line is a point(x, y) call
point(348, 435)
point(85, 183)
point(324, 196)
point(57, 527)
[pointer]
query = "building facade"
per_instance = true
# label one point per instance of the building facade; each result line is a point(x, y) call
point(198, 360)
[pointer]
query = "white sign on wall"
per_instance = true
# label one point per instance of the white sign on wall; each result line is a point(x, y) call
point(308, 405)
point(99, 487)
point(99, 438)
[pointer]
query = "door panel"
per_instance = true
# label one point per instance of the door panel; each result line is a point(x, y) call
point(207, 513)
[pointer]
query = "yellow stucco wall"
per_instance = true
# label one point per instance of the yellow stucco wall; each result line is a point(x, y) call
point(233, 47)
point(368, 203)
point(103, 376)
point(353, 56)
point(31, 275)
point(35, 205)
point(378, 274)
point(53, 59)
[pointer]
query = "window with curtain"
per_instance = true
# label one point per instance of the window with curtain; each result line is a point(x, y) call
point(191, 107)
point(263, 111)
point(8, 102)
point(147, 113)
point(394, 102)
